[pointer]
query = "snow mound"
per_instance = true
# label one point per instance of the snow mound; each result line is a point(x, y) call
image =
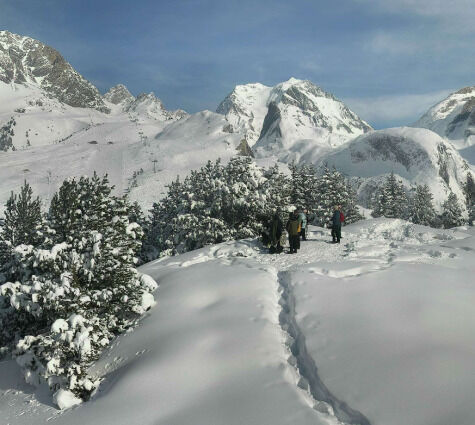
point(65, 399)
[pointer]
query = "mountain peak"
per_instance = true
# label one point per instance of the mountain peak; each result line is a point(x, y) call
point(119, 94)
point(294, 112)
point(453, 117)
point(26, 61)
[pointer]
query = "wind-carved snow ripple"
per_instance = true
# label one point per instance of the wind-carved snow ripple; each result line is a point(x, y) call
point(324, 400)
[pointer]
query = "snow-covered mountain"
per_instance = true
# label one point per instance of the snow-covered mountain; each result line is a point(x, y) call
point(245, 109)
point(416, 155)
point(453, 118)
point(147, 105)
point(29, 62)
point(293, 120)
point(119, 94)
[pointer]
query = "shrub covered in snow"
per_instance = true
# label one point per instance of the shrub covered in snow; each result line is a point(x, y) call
point(215, 204)
point(234, 201)
point(320, 190)
point(76, 290)
point(421, 207)
point(451, 212)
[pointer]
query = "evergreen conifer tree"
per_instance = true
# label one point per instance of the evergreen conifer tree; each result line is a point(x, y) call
point(421, 207)
point(23, 225)
point(73, 294)
point(451, 212)
point(391, 200)
point(469, 189)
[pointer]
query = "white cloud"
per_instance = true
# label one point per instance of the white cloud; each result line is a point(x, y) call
point(384, 42)
point(395, 110)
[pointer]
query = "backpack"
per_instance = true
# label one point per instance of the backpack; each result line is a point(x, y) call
point(342, 217)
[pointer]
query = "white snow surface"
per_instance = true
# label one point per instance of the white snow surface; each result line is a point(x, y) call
point(71, 142)
point(377, 330)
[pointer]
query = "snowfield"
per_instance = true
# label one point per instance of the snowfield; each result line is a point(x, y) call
point(378, 330)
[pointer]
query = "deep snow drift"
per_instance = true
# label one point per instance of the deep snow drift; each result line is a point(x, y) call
point(379, 330)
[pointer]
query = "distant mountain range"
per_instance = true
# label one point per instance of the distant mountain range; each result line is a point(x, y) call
point(55, 124)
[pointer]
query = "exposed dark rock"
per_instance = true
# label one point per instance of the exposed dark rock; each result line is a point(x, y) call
point(244, 149)
point(25, 60)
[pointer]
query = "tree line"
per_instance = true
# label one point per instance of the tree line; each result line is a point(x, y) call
point(392, 200)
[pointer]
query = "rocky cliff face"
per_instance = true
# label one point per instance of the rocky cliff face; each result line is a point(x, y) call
point(26, 61)
point(119, 94)
point(150, 106)
point(453, 118)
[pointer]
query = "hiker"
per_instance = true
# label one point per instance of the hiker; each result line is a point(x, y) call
point(275, 233)
point(293, 228)
point(342, 216)
point(303, 223)
point(336, 225)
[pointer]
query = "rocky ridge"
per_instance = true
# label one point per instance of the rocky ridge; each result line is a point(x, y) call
point(26, 61)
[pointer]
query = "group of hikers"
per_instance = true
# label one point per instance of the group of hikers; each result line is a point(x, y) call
point(296, 228)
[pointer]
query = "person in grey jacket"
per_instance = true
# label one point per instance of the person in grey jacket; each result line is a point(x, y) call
point(303, 221)
point(336, 225)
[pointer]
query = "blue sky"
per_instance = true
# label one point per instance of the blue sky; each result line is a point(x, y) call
point(389, 60)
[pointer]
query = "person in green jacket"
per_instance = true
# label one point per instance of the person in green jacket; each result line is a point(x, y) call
point(293, 228)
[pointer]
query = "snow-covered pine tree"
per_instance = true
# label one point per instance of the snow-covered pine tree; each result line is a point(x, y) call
point(76, 293)
point(303, 185)
point(163, 230)
point(391, 199)
point(244, 208)
point(215, 204)
point(469, 189)
point(23, 218)
point(421, 207)
point(333, 189)
point(136, 215)
point(277, 191)
point(296, 195)
point(324, 198)
point(350, 207)
point(451, 212)
point(23, 225)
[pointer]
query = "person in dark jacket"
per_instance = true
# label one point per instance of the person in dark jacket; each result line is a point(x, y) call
point(293, 228)
point(336, 225)
point(275, 232)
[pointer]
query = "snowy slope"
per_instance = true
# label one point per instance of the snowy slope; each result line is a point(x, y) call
point(453, 118)
point(155, 152)
point(416, 155)
point(375, 330)
point(293, 120)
